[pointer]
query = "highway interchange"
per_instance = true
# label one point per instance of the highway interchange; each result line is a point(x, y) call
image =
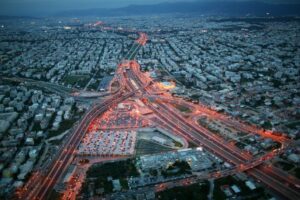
point(134, 83)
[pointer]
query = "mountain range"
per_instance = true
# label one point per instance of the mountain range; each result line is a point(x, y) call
point(201, 8)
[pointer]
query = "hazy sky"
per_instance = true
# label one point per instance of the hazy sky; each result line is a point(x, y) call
point(34, 7)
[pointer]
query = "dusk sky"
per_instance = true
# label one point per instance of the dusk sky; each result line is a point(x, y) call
point(42, 7)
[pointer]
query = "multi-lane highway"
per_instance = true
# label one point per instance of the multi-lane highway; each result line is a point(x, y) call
point(42, 182)
point(273, 177)
point(136, 84)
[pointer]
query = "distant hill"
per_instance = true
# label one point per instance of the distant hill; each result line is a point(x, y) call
point(4, 17)
point(207, 8)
